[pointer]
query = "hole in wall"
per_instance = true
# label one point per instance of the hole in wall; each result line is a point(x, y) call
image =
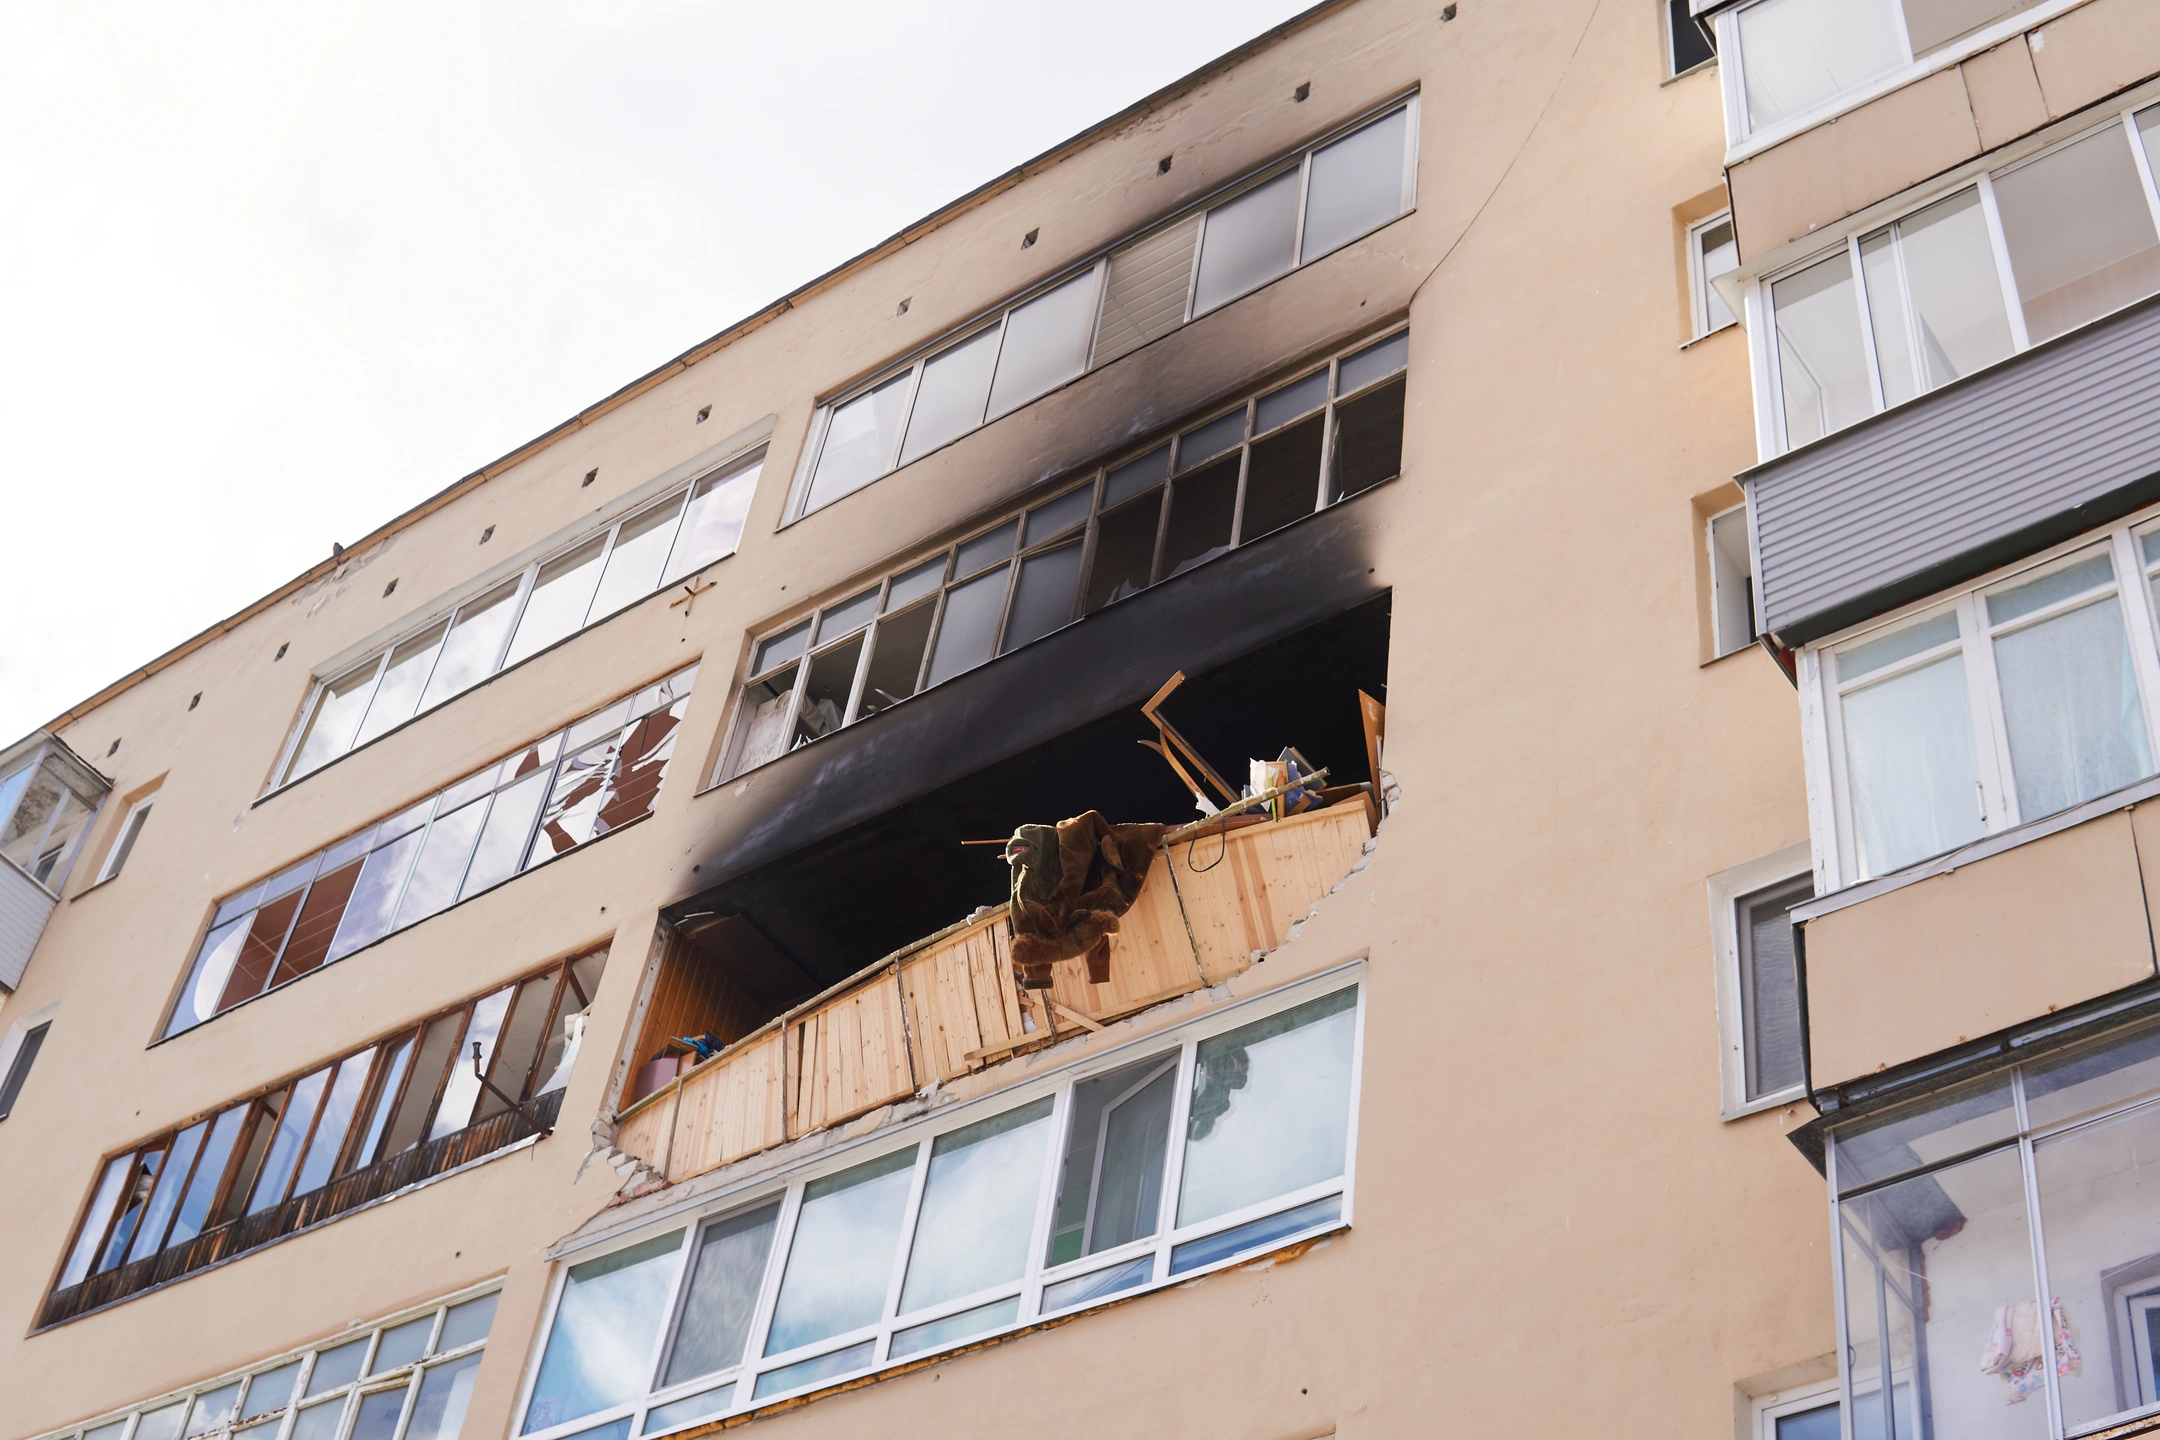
point(901, 308)
point(1302, 92)
point(487, 534)
point(112, 749)
point(1028, 239)
point(590, 476)
point(1162, 166)
point(196, 701)
point(389, 589)
point(281, 651)
point(704, 415)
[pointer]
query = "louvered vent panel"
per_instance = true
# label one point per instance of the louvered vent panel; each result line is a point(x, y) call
point(1146, 298)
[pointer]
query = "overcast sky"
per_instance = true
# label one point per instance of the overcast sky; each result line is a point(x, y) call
point(271, 273)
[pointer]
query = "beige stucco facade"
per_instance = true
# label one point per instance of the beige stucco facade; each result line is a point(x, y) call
point(1554, 1227)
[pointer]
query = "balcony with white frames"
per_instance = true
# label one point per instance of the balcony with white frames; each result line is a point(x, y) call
point(48, 797)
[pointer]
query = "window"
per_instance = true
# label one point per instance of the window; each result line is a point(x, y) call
point(1686, 46)
point(1757, 985)
point(1712, 251)
point(130, 828)
point(410, 1105)
point(545, 799)
point(1235, 1139)
point(46, 803)
point(1798, 56)
point(652, 547)
point(419, 1370)
point(2025, 254)
point(1336, 192)
point(1732, 576)
point(1811, 1413)
point(1272, 459)
point(18, 1069)
point(2014, 700)
point(1963, 1309)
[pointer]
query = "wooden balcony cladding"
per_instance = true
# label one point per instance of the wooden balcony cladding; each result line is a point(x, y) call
point(947, 1005)
point(2010, 929)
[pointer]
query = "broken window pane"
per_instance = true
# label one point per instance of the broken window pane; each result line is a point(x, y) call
point(474, 643)
point(1270, 1108)
point(1111, 1190)
point(338, 711)
point(572, 816)
point(397, 694)
point(1368, 440)
point(896, 658)
point(842, 1257)
point(978, 1207)
point(766, 722)
point(825, 697)
point(1356, 185)
point(1282, 481)
point(1124, 552)
point(722, 1295)
point(611, 1309)
point(640, 549)
point(2080, 233)
point(949, 401)
point(1247, 241)
point(969, 627)
point(1044, 599)
point(1046, 343)
point(646, 750)
point(456, 1110)
point(1203, 504)
point(561, 594)
point(713, 525)
point(858, 442)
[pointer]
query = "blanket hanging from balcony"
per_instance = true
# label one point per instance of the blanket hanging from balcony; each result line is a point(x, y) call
point(1070, 883)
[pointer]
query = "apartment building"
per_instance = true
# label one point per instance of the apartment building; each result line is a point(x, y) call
point(1681, 468)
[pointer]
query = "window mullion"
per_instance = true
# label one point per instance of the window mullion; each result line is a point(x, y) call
point(1997, 776)
point(685, 1255)
point(1046, 1203)
point(1199, 250)
point(1840, 782)
point(1174, 1163)
point(2144, 637)
point(2042, 1293)
point(509, 635)
point(2005, 274)
point(1904, 35)
point(2143, 162)
point(1244, 472)
point(905, 1251)
point(1102, 298)
point(769, 1292)
point(1862, 301)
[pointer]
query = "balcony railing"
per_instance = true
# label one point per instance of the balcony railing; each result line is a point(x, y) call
point(304, 1212)
point(947, 1005)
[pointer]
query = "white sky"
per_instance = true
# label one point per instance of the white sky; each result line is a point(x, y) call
point(271, 273)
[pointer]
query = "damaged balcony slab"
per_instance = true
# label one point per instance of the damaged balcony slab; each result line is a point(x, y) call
point(946, 1006)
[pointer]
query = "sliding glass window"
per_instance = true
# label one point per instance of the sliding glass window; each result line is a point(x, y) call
point(651, 548)
point(1232, 477)
point(543, 800)
point(1264, 226)
point(1232, 1139)
point(2027, 253)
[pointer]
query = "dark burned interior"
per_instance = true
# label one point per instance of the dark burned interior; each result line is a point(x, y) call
point(780, 931)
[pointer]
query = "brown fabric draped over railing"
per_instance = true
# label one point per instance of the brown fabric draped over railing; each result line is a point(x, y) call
point(303, 1212)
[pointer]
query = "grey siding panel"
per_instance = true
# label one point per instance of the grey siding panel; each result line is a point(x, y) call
point(24, 906)
point(1847, 526)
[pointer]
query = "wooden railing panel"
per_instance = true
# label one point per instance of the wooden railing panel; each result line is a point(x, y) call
point(1151, 957)
point(960, 998)
point(645, 1134)
point(730, 1108)
point(846, 1057)
point(1266, 880)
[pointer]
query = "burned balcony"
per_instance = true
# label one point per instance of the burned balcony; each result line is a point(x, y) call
point(48, 796)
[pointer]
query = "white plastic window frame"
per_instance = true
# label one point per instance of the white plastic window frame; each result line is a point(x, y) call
point(1027, 546)
point(1772, 436)
point(1822, 727)
point(1699, 292)
point(1793, 1400)
point(1742, 142)
point(282, 775)
point(1038, 1275)
point(2028, 1138)
point(1726, 888)
point(409, 1376)
point(1722, 644)
point(124, 838)
point(1098, 265)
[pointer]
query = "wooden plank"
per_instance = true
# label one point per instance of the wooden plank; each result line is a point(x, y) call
point(646, 1133)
